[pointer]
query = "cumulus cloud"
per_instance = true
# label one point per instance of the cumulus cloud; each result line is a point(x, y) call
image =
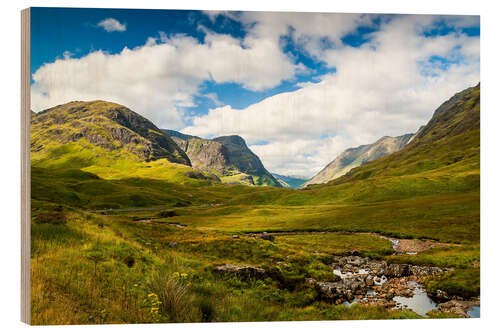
point(389, 86)
point(161, 78)
point(110, 24)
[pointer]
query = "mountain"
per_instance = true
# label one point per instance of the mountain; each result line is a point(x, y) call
point(447, 147)
point(354, 157)
point(101, 127)
point(290, 181)
point(204, 154)
point(228, 157)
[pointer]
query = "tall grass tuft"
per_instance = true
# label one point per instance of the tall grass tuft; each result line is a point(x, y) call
point(176, 301)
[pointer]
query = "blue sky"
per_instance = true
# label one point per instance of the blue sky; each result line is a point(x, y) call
point(81, 36)
point(299, 87)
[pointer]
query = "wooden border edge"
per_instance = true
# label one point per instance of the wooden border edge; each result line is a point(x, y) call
point(25, 166)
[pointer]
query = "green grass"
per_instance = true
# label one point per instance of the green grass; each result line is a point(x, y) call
point(460, 282)
point(102, 253)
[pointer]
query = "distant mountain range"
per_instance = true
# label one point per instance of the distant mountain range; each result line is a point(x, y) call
point(354, 157)
point(228, 157)
point(290, 181)
point(449, 142)
point(83, 135)
point(450, 115)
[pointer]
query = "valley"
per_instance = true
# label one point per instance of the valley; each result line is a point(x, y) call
point(135, 224)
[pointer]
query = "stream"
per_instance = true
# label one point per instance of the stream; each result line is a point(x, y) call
point(420, 302)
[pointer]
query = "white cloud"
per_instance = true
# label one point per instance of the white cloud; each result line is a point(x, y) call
point(111, 24)
point(162, 77)
point(386, 87)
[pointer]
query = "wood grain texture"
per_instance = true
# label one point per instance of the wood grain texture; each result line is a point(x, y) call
point(25, 166)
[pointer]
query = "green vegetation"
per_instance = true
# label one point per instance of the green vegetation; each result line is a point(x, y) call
point(127, 234)
point(460, 282)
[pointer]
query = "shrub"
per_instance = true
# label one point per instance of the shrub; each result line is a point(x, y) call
point(167, 213)
point(57, 217)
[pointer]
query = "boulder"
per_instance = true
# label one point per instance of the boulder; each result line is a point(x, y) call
point(422, 271)
point(330, 291)
point(397, 270)
point(266, 237)
point(456, 307)
point(369, 281)
point(242, 272)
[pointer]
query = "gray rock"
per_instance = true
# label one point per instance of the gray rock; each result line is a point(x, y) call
point(242, 272)
point(397, 270)
point(266, 237)
point(422, 271)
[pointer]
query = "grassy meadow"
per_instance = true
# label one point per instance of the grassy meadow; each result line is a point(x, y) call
point(116, 238)
point(113, 249)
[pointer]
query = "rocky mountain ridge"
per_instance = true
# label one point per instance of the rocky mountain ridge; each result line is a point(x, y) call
point(228, 157)
point(354, 157)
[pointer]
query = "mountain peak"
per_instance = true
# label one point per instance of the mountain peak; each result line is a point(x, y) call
point(108, 125)
point(232, 139)
point(227, 156)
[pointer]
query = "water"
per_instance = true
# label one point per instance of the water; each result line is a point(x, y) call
point(383, 280)
point(354, 301)
point(361, 271)
point(475, 312)
point(395, 243)
point(420, 302)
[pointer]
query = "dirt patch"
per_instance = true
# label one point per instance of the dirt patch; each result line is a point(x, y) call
point(416, 246)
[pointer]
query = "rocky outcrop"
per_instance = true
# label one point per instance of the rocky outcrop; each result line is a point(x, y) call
point(459, 308)
point(200, 175)
point(397, 270)
point(244, 272)
point(359, 275)
point(226, 156)
point(266, 236)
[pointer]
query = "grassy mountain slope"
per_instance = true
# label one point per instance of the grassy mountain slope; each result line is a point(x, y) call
point(115, 146)
point(353, 157)
point(104, 125)
point(449, 143)
point(431, 186)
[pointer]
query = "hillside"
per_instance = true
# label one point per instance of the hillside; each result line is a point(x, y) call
point(227, 157)
point(450, 142)
point(354, 157)
point(100, 126)
point(109, 141)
